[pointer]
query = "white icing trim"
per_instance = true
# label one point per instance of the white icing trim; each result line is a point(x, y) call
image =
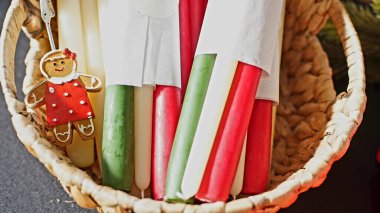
point(35, 99)
point(82, 128)
point(67, 78)
point(63, 133)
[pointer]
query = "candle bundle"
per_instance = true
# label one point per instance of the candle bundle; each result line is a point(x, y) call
point(212, 152)
point(244, 40)
point(168, 99)
point(143, 51)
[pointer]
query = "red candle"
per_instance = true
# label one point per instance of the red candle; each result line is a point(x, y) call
point(187, 55)
point(197, 12)
point(166, 111)
point(258, 151)
point(223, 161)
point(190, 23)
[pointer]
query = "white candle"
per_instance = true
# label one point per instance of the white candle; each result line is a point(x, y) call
point(213, 106)
point(143, 135)
point(95, 65)
point(239, 177)
point(71, 36)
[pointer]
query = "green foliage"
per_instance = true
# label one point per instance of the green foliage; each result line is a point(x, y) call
point(367, 25)
point(376, 7)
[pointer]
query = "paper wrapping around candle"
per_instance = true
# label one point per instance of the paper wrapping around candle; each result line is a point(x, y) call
point(269, 85)
point(142, 42)
point(249, 33)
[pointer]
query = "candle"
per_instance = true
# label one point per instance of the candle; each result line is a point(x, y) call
point(224, 158)
point(191, 18)
point(197, 12)
point(237, 185)
point(91, 34)
point(118, 126)
point(212, 110)
point(187, 54)
point(117, 146)
point(254, 27)
point(70, 35)
point(143, 135)
point(166, 110)
point(260, 133)
point(188, 121)
point(258, 148)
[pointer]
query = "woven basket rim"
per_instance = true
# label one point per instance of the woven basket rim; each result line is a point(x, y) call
point(88, 194)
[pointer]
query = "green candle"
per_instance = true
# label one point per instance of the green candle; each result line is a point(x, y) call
point(188, 121)
point(118, 136)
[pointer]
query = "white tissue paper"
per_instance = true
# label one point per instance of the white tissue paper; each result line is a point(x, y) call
point(268, 88)
point(249, 34)
point(140, 40)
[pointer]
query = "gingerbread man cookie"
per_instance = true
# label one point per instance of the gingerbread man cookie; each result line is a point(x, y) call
point(64, 92)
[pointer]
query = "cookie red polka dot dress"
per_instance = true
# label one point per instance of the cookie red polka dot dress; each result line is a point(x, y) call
point(67, 102)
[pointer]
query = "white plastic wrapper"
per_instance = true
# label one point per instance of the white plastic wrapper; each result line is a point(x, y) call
point(140, 40)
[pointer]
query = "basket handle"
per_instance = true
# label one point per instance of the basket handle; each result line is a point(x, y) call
point(355, 62)
point(16, 15)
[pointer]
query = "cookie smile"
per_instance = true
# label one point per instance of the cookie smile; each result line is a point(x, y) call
point(59, 70)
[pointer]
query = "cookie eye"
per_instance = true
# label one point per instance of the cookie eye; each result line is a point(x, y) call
point(62, 62)
point(55, 64)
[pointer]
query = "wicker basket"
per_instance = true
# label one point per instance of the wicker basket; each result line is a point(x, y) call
point(313, 129)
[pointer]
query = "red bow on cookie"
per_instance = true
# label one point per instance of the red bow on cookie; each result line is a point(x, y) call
point(69, 54)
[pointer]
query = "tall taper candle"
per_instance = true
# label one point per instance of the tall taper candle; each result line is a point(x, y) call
point(118, 126)
point(95, 66)
point(238, 180)
point(166, 110)
point(143, 135)
point(117, 146)
point(224, 158)
point(70, 33)
point(191, 17)
point(187, 54)
point(192, 106)
point(257, 163)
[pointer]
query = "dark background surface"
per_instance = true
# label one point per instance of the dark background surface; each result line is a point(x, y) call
point(353, 184)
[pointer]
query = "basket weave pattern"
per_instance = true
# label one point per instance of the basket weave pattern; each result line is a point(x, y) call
point(313, 125)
